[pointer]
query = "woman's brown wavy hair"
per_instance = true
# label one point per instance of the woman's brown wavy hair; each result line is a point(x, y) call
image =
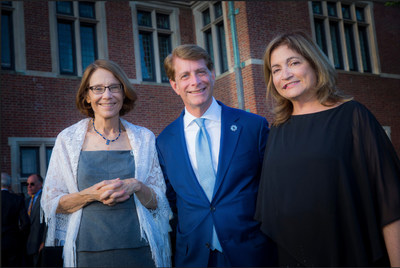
point(327, 93)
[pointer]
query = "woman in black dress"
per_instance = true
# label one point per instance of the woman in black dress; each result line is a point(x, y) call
point(330, 185)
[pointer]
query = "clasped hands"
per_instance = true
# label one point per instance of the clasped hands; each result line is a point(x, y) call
point(111, 192)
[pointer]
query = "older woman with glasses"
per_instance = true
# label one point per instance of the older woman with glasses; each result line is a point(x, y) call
point(104, 193)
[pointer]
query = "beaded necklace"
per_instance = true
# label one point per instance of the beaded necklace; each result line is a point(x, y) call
point(107, 140)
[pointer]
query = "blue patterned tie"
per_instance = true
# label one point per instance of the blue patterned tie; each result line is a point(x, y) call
point(205, 170)
point(204, 159)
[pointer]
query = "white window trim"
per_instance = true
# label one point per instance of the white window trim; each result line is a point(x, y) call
point(175, 35)
point(198, 20)
point(371, 36)
point(18, 28)
point(15, 143)
point(19, 36)
point(101, 35)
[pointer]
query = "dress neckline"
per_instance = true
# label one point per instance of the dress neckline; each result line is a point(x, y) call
point(321, 112)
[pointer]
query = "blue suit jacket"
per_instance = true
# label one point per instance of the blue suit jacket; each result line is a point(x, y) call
point(243, 139)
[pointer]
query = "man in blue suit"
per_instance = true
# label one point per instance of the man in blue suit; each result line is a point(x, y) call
point(214, 205)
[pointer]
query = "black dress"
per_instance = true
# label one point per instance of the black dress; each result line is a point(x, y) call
point(330, 182)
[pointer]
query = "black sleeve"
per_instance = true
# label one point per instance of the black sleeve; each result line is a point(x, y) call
point(382, 163)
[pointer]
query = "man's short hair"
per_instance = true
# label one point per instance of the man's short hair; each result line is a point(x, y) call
point(186, 52)
point(37, 176)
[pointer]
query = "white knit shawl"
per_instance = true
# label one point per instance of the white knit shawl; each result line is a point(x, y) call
point(61, 179)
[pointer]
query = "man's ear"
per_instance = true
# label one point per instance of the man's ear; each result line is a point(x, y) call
point(213, 74)
point(173, 85)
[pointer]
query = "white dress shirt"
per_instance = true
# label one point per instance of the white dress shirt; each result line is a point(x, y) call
point(213, 127)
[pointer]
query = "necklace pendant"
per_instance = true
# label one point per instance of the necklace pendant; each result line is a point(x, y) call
point(107, 140)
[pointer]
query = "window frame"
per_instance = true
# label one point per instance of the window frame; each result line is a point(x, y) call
point(100, 33)
point(201, 29)
point(15, 144)
point(155, 32)
point(368, 24)
point(6, 12)
point(37, 160)
point(73, 46)
point(94, 33)
point(18, 61)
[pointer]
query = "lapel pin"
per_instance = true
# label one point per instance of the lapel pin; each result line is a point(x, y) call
point(233, 128)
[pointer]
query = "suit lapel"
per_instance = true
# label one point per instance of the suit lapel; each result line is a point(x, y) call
point(230, 132)
point(180, 142)
point(36, 207)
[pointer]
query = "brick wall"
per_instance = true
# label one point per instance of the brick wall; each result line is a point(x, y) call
point(225, 90)
point(274, 17)
point(387, 29)
point(37, 36)
point(35, 107)
point(157, 106)
point(187, 26)
point(380, 95)
point(120, 35)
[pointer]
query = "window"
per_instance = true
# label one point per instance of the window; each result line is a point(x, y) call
point(156, 30)
point(30, 159)
point(75, 35)
point(28, 156)
point(66, 20)
point(211, 33)
point(7, 36)
point(336, 48)
point(7, 44)
point(12, 36)
point(343, 32)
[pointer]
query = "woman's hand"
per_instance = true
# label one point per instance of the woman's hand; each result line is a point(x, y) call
point(121, 190)
point(98, 192)
point(109, 192)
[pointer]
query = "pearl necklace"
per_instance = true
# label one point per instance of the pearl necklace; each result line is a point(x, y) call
point(107, 140)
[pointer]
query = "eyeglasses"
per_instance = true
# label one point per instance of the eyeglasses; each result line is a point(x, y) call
point(101, 89)
point(31, 184)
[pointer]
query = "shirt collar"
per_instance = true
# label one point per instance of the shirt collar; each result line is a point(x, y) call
point(213, 113)
point(37, 193)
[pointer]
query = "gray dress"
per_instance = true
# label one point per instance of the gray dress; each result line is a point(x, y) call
point(109, 236)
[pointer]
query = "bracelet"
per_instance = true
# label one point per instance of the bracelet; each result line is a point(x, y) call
point(151, 199)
